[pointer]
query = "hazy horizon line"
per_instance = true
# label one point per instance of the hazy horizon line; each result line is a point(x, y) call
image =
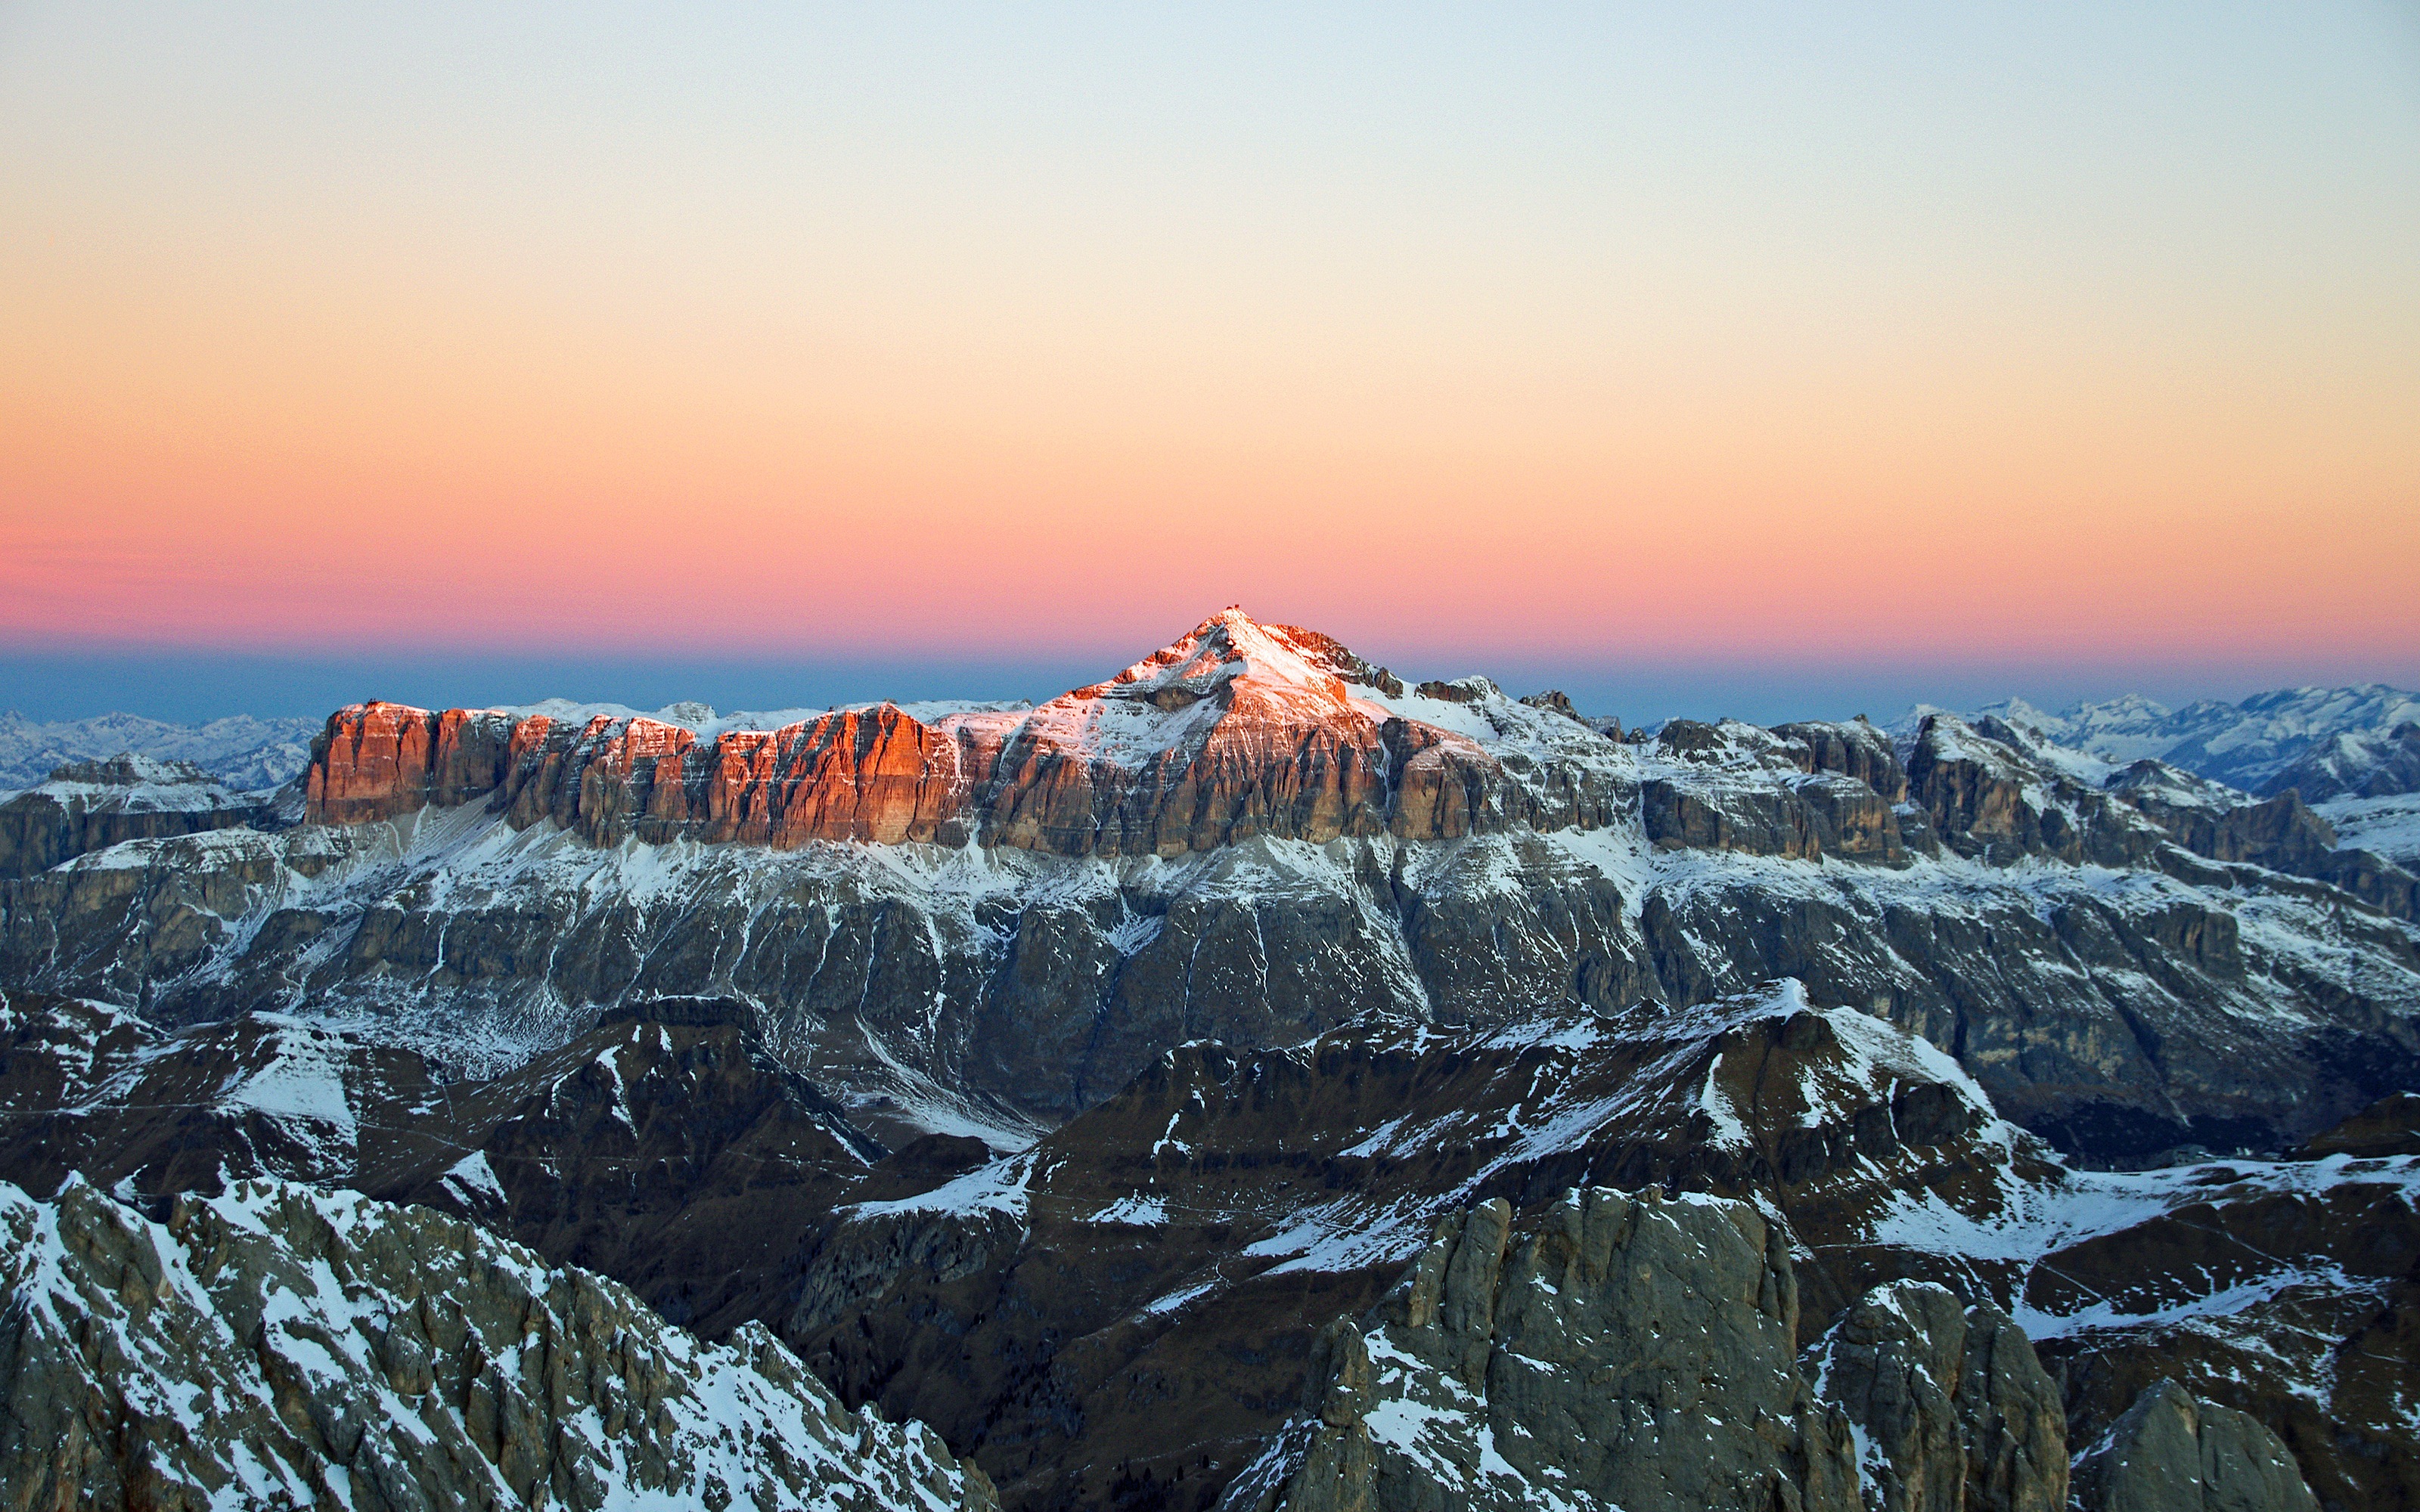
point(187, 686)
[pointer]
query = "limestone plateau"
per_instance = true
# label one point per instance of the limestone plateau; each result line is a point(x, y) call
point(1252, 1081)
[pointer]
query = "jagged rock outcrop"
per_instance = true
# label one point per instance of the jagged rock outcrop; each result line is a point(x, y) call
point(1609, 1351)
point(2280, 833)
point(667, 1147)
point(2171, 1453)
point(1992, 792)
point(375, 761)
point(1956, 1409)
point(86, 806)
point(1854, 747)
point(279, 1347)
point(1987, 801)
point(1637, 1351)
point(1800, 791)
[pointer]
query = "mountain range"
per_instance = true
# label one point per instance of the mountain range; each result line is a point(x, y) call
point(244, 752)
point(2255, 745)
point(2248, 745)
point(1238, 1081)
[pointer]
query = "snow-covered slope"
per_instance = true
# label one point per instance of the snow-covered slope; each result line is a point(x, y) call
point(2390, 825)
point(242, 751)
point(278, 1346)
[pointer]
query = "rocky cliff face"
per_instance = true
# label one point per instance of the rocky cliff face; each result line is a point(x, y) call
point(1614, 1351)
point(1805, 791)
point(2124, 1009)
point(1235, 731)
point(278, 1347)
point(2172, 1454)
point(1606, 1352)
point(88, 805)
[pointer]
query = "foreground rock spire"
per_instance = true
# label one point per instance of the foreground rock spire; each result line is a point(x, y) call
point(1630, 1350)
point(282, 1347)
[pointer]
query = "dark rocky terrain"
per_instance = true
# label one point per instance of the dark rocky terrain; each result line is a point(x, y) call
point(1058, 1078)
point(278, 1347)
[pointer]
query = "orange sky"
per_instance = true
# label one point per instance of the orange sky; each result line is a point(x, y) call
point(442, 334)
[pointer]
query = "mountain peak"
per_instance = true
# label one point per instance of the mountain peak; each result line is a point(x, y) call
point(1225, 678)
point(1231, 647)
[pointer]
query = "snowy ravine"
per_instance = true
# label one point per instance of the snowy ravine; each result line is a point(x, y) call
point(281, 1346)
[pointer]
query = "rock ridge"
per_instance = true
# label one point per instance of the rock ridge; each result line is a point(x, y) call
point(1636, 1351)
point(280, 1346)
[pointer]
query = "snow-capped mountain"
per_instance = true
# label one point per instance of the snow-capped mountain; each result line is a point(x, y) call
point(1161, 1262)
point(245, 753)
point(88, 806)
point(2355, 764)
point(2245, 745)
point(1058, 1075)
point(983, 921)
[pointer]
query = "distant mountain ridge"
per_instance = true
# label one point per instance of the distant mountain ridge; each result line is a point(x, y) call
point(2249, 744)
point(242, 751)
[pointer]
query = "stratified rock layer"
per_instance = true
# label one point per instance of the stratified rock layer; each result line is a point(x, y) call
point(88, 805)
point(1235, 731)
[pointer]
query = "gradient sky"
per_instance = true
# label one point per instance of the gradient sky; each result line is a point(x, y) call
point(1797, 350)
